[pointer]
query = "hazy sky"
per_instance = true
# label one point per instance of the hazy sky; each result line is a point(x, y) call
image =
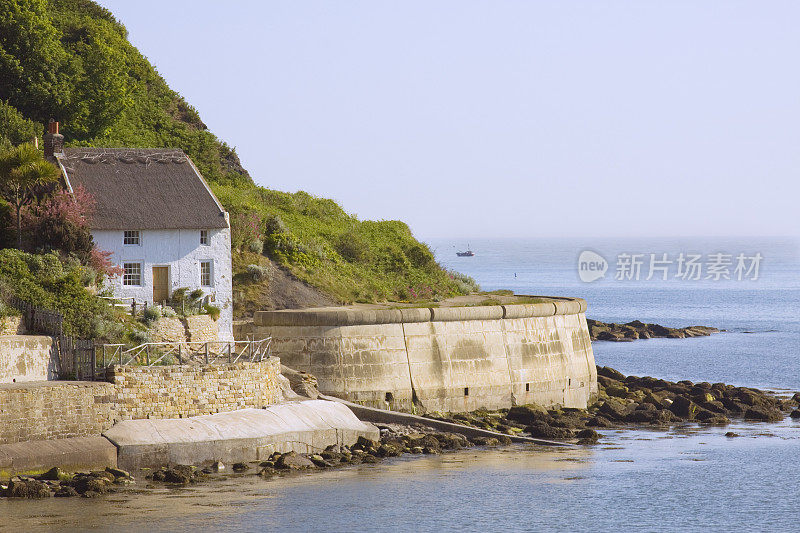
point(502, 118)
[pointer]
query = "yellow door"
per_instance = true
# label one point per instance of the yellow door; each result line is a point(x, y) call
point(160, 284)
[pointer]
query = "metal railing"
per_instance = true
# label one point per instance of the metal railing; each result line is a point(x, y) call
point(182, 353)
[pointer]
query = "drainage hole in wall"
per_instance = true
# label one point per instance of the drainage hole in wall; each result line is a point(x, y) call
point(569, 382)
point(527, 387)
point(389, 397)
point(466, 391)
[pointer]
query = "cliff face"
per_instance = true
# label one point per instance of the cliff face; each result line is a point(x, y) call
point(71, 60)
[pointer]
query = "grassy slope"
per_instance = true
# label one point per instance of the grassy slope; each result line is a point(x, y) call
point(313, 238)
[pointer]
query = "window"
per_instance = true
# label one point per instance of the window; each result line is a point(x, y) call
point(132, 274)
point(204, 237)
point(205, 273)
point(131, 237)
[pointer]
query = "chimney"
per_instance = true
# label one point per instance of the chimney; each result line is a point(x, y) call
point(53, 141)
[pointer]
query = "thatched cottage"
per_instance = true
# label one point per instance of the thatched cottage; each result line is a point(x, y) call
point(157, 216)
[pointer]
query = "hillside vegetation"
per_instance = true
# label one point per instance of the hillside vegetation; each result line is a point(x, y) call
point(71, 60)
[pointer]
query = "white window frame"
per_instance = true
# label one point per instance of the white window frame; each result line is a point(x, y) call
point(210, 264)
point(132, 235)
point(128, 278)
point(204, 238)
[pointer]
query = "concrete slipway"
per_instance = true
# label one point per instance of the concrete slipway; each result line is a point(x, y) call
point(244, 435)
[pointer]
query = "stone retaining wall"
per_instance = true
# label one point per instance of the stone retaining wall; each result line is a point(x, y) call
point(12, 325)
point(26, 358)
point(193, 328)
point(185, 390)
point(61, 409)
point(55, 410)
point(441, 359)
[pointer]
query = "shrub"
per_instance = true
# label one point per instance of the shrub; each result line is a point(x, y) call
point(47, 281)
point(139, 337)
point(151, 314)
point(256, 246)
point(352, 247)
point(465, 284)
point(257, 272)
point(168, 312)
point(212, 310)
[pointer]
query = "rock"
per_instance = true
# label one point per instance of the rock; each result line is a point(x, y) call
point(66, 492)
point(795, 414)
point(365, 444)
point(796, 397)
point(293, 461)
point(54, 474)
point(620, 391)
point(319, 461)
point(763, 414)
point(588, 436)
point(87, 482)
point(369, 459)
point(731, 434)
point(599, 422)
point(332, 456)
point(684, 407)
point(91, 494)
point(641, 416)
point(528, 414)
point(613, 410)
point(267, 472)
point(485, 441)
point(390, 449)
point(541, 430)
point(451, 441)
point(240, 467)
point(27, 488)
point(610, 373)
point(118, 473)
point(217, 466)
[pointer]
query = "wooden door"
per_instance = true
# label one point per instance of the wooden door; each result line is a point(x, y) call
point(160, 284)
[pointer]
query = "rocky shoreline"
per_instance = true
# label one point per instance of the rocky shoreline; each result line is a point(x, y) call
point(394, 441)
point(634, 402)
point(630, 331)
point(623, 402)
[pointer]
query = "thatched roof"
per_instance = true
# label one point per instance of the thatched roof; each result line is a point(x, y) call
point(142, 188)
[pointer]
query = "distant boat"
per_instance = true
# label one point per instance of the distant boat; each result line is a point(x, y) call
point(468, 253)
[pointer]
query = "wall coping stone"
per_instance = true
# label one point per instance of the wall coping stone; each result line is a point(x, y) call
point(337, 316)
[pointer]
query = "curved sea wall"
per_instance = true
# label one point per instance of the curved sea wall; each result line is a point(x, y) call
point(441, 359)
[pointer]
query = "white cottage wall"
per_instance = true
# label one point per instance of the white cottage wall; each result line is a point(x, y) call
point(181, 251)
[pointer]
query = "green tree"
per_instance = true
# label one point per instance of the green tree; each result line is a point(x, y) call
point(14, 128)
point(35, 71)
point(22, 170)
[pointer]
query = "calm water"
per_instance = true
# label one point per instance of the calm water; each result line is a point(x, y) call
point(682, 479)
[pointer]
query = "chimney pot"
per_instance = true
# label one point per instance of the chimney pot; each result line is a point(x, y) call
point(52, 140)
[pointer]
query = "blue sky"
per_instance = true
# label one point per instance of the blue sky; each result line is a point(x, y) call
point(502, 118)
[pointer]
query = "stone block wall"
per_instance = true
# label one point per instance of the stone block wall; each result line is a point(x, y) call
point(193, 328)
point(26, 358)
point(201, 328)
point(55, 410)
point(441, 359)
point(168, 329)
point(12, 325)
point(186, 390)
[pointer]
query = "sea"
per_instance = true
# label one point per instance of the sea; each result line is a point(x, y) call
point(686, 478)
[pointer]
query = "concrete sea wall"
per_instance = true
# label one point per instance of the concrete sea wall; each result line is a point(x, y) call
point(26, 358)
point(441, 359)
point(244, 435)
